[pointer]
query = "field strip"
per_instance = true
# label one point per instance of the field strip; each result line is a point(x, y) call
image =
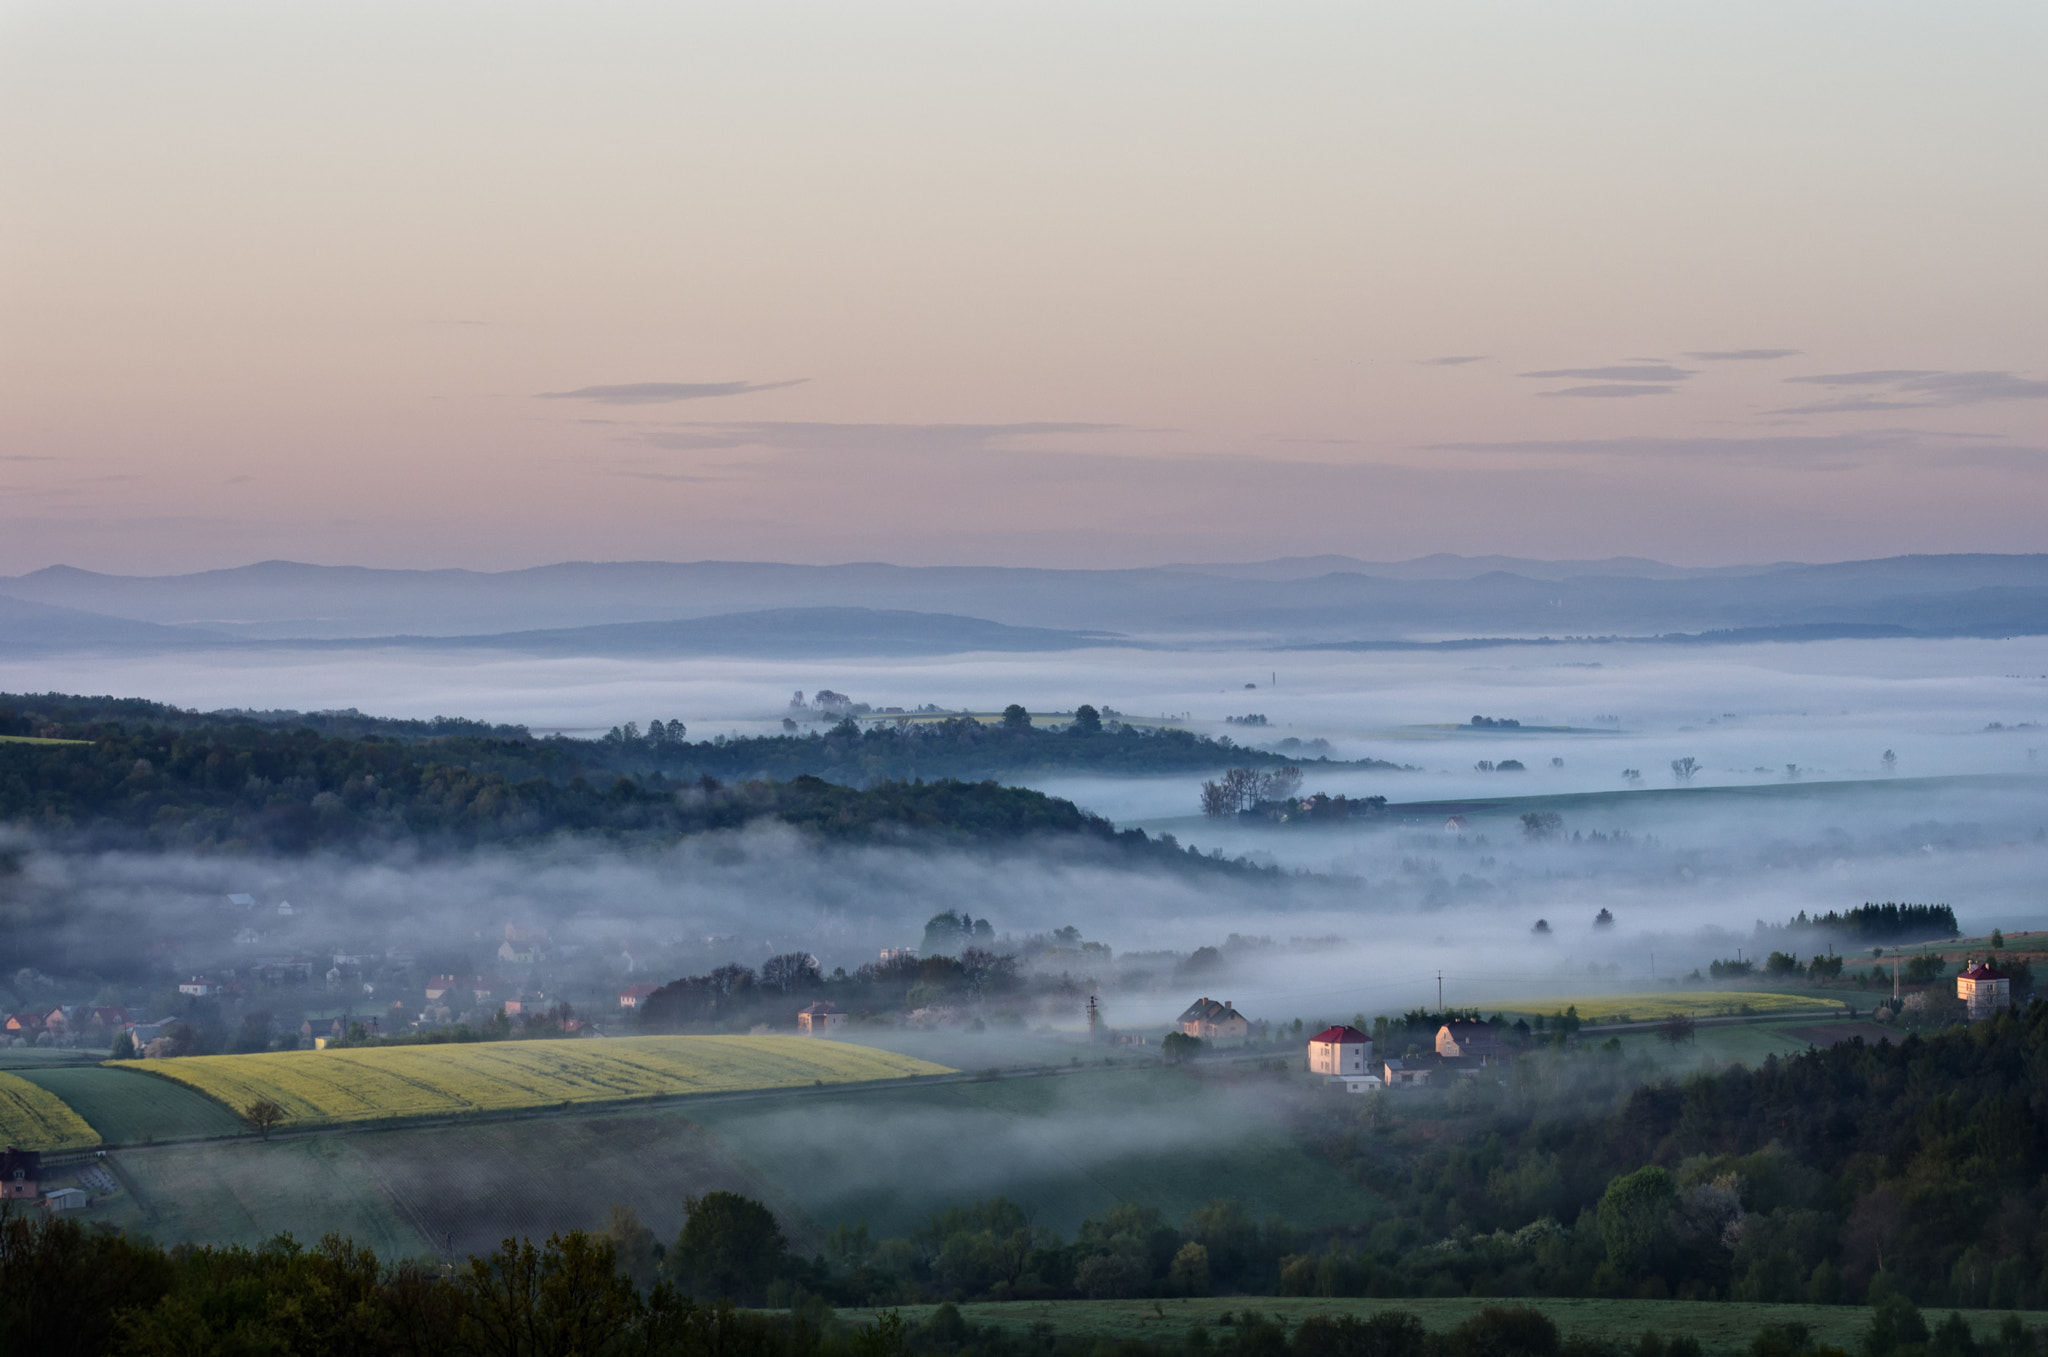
point(1689, 1003)
point(380, 1083)
point(36, 1119)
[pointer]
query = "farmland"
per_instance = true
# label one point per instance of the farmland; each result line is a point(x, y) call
point(126, 1107)
point(1063, 1146)
point(36, 1119)
point(381, 1083)
point(1692, 1003)
point(1720, 1326)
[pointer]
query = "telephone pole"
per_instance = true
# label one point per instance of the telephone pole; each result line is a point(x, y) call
point(1439, 991)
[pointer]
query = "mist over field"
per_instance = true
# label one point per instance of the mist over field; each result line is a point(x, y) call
point(1792, 809)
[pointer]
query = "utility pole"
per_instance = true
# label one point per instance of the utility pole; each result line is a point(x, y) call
point(1895, 977)
point(1439, 991)
point(1094, 1020)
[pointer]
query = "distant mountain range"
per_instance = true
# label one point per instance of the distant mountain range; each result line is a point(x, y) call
point(727, 607)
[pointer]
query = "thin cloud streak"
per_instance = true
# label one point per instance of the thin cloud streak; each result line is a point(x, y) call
point(662, 393)
point(1630, 372)
point(1612, 391)
point(1919, 389)
point(1741, 355)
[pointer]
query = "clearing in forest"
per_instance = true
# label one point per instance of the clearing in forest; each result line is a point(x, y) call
point(380, 1082)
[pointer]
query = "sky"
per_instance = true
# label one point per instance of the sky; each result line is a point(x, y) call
point(439, 284)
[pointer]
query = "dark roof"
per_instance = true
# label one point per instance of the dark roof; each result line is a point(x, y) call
point(1210, 1010)
point(1347, 1035)
point(12, 1161)
point(820, 1008)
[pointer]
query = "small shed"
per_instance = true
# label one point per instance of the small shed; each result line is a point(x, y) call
point(820, 1019)
point(1404, 1073)
point(66, 1199)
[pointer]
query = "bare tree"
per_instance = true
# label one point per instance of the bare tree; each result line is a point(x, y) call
point(1684, 768)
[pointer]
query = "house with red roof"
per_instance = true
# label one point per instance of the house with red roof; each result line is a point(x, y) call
point(1338, 1051)
point(1985, 989)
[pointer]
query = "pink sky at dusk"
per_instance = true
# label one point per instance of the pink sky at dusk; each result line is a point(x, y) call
point(494, 285)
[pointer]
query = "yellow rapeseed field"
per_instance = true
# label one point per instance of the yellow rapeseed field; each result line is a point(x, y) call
point(34, 1118)
point(373, 1083)
point(1650, 1007)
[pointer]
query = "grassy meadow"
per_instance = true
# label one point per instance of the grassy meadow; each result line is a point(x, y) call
point(1653, 1006)
point(1062, 1146)
point(127, 1107)
point(34, 1118)
point(380, 1083)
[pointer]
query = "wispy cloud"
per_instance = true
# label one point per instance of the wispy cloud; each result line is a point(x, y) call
point(1741, 355)
point(1613, 390)
point(806, 437)
point(1806, 452)
point(1917, 389)
point(1623, 372)
point(661, 393)
point(1451, 360)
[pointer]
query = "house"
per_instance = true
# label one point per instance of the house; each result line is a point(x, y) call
point(516, 953)
point(285, 910)
point(66, 1199)
point(1339, 1051)
point(820, 1019)
point(241, 902)
point(1985, 989)
point(1455, 825)
point(632, 996)
point(1360, 1083)
point(247, 937)
point(1213, 1020)
point(890, 954)
point(1401, 1073)
point(199, 987)
point(29, 1025)
point(58, 1021)
point(21, 1173)
point(446, 986)
point(107, 1017)
point(1466, 1037)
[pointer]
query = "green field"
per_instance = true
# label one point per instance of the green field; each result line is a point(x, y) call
point(36, 1119)
point(128, 1107)
point(406, 1191)
point(1721, 1326)
point(1653, 1006)
point(37, 739)
point(1063, 1146)
point(378, 1083)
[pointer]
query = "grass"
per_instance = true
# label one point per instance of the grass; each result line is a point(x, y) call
point(1064, 1147)
point(126, 1107)
point(410, 1190)
point(1651, 1007)
point(378, 1083)
point(37, 739)
point(36, 1119)
point(1721, 1326)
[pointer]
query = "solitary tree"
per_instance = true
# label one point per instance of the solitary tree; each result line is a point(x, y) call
point(1677, 1029)
point(1179, 1046)
point(1684, 768)
point(264, 1115)
point(1087, 720)
point(1015, 718)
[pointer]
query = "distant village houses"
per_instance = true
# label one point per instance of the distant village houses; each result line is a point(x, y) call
point(633, 996)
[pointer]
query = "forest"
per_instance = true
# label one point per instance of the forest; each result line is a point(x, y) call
point(957, 747)
point(290, 789)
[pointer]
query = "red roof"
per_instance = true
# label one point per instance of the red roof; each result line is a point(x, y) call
point(1982, 972)
point(1343, 1036)
point(637, 991)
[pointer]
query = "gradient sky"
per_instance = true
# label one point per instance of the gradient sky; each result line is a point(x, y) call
point(492, 285)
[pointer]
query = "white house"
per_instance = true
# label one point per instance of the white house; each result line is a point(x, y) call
point(1337, 1051)
point(66, 1199)
point(198, 987)
point(1359, 1083)
point(1984, 989)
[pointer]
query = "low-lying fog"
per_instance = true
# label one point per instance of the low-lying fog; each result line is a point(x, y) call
point(1961, 816)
